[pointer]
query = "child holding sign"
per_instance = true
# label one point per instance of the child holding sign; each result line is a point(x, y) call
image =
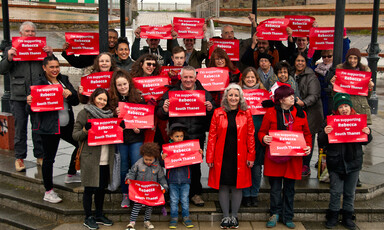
point(146, 168)
point(179, 181)
point(344, 162)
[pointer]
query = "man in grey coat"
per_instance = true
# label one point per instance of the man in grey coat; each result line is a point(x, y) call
point(22, 74)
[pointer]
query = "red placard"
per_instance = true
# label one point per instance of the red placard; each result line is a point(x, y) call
point(213, 79)
point(230, 46)
point(151, 87)
point(146, 192)
point(189, 27)
point(156, 31)
point(137, 115)
point(94, 81)
point(187, 103)
point(274, 29)
point(287, 143)
point(300, 24)
point(47, 98)
point(353, 82)
point(254, 97)
point(82, 43)
point(347, 128)
point(29, 48)
point(182, 153)
point(166, 69)
point(321, 38)
point(105, 131)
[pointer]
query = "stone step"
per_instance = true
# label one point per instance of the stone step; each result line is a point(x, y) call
point(13, 219)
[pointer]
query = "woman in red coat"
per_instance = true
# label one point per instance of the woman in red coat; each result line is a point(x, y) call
point(283, 171)
point(231, 152)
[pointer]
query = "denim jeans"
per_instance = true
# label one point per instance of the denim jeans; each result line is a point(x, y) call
point(342, 184)
point(179, 192)
point(253, 191)
point(19, 111)
point(129, 154)
point(282, 203)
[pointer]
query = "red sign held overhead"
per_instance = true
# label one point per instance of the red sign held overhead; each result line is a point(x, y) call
point(274, 29)
point(352, 82)
point(105, 131)
point(182, 153)
point(347, 128)
point(82, 43)
point(300, 24)
point(94, 81)
point(213, 79)
point(29, 48)
point(151, 87)
point(230, 46)
point(287, 143)
point(187, 103)
point(189, 27)
point(321, 38)
point(47, 98)
point(137, 115)
point(146, 192)
point(156, 31)
point(254, 97)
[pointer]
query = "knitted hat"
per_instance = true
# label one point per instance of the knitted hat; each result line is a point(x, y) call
point(264, 55)
point(340, 99)
point(353, 51)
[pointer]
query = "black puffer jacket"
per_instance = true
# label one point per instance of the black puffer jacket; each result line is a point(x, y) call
point(196, 126)
point(48, 122)
point(342, 158)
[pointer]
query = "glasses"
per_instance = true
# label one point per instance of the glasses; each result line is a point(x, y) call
point(150, 64)
point(329, 56)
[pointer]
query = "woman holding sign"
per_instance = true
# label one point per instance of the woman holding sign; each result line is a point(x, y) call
point(96, 161)
point(283, 171)
point(146, 65)
point(231, 152)
point(344, 162)
point(219, 58)
point(54, 125)
point(123, 90)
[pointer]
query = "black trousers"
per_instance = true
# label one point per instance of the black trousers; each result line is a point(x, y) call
point(50, 145)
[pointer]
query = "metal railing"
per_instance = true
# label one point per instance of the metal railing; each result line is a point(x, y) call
point(163, 6)
point(208, 9)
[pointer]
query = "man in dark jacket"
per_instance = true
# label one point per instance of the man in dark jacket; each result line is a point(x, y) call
point(196, 126)
point(22, 74)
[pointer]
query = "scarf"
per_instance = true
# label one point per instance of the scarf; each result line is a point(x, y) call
point(322, 68)
point(98, 113)
point(257, 86)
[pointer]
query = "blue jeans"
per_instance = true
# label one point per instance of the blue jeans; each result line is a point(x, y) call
point(129, 154)
point(342, 184)
point(282, 204)
point(179, 192)
point(253, 191)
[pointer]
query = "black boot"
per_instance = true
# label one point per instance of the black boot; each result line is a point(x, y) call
point(348, 218)
point(246, 201)
point(332, 219)
point(254, 202)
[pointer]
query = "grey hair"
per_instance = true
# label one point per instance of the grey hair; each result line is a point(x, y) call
point(242, 103)
point(188, 68)
point(222, 28)
point(27, 23)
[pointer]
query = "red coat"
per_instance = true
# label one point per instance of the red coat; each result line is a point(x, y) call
point(245, 147)
point(292, 168)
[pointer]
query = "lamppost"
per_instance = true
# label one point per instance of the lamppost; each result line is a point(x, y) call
point(5, 106)
point(103, 25)
point(373, 57)
point(254, 11)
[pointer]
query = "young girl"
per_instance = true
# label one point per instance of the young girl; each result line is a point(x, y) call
point(123, 90)
point(344, 162)
point(96, 161)
point(146, 168)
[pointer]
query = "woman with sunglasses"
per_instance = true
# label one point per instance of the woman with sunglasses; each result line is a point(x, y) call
point(145, 66)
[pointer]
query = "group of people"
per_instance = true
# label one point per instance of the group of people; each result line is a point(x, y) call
point(238, 142)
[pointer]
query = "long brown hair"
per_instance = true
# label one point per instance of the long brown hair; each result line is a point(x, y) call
point(137, 67)
point(96, 67)
point(244, 74)
point(96, 93)
point(133, 94)
point(220, 53)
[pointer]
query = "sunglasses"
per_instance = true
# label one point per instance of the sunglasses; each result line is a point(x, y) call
point(329, 56)
point(150, 64)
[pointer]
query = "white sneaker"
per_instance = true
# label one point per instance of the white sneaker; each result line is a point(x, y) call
point(52, 197)
point(72, 178)
point(148, 225)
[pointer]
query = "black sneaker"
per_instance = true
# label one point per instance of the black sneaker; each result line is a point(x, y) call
point(234, 222)
point(104, 221)
point(90, 223)
point(225, 222)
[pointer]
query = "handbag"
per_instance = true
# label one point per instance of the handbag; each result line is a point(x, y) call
point(115, 182)
point(77, 161)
